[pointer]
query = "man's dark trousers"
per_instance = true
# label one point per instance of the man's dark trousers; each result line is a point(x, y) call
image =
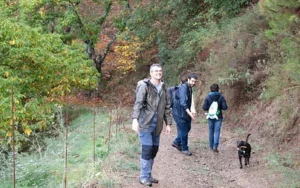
point(183, 127)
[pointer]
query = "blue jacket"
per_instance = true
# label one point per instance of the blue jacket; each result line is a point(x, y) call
point(183, 101)
point(213, 96)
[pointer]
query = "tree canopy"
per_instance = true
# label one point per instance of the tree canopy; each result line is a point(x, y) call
point(39, 67)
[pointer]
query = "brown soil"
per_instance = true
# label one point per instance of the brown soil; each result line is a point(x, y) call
point(207, 169)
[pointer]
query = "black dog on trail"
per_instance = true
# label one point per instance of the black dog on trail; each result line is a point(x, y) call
point(244, 150)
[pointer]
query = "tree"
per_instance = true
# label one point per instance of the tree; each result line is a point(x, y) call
point(75, 20)
point(41, 68)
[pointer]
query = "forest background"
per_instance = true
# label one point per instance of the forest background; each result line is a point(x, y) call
point(74, 58)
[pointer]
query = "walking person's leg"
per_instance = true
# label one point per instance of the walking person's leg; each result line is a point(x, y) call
point(155, 139)
point(185, 128)
point(218, 125)
point(147, 155)
point(189, 125)
point(211, 130)
point(146, 163)
point(177, 142)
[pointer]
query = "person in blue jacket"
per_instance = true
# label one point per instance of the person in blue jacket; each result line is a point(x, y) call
point(182, 114)
point(214, 125)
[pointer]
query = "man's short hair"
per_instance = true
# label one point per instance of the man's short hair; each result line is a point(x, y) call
point(214, 88)
point(192, 75)
point(155, 65)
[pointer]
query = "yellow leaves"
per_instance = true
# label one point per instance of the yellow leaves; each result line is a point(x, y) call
point(27, 131)
point(42, 12)
point(17, 101)
point(9, 134)
point(12, 42)
point(6, 74)
point(127, 53)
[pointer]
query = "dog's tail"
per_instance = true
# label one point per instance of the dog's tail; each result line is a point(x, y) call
point(247, 138)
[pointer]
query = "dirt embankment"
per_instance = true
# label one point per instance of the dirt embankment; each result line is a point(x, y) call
point(206, 169)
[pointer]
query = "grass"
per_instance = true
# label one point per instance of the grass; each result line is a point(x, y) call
point(255, 147)
point(284, 164)
point(240, 131)
point(114, 156)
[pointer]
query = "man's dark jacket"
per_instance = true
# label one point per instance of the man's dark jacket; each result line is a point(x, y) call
point(183, 101)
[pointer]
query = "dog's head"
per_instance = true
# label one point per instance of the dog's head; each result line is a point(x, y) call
point(241, 146)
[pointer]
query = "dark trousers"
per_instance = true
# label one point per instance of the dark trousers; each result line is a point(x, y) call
point(183, 129)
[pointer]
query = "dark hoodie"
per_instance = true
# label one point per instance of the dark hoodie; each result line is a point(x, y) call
point(214, 96)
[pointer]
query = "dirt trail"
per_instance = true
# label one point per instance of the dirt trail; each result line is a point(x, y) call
point(205, 169)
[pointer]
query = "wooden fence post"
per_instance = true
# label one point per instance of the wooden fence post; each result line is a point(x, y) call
point(13, 135)
point(66, 147)
point(94, 152)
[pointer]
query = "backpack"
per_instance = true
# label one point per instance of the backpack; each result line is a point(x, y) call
point(214, 110)
point(171, 91)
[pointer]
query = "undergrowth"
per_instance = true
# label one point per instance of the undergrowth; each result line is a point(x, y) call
point(115, 145)
point(284, 164)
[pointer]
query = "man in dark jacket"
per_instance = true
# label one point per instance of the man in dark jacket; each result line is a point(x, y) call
point(151, 108)
point(182, 114)
point(215, 125)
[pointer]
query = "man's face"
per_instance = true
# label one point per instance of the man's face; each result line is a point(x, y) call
point(156, 73)
point(192, 82)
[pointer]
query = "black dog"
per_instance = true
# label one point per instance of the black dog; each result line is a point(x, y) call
point(244, 150)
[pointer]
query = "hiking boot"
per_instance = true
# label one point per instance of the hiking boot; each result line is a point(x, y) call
point(153, 180)
point(187, 152)
point(178, 147)
point(216, 150)
point(146, 182)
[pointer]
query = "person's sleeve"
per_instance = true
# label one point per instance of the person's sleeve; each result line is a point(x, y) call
point(139, 99)
point(223, 104)
point(205, 106)
point(167, 115)
point(193, 109)
point(183, 97)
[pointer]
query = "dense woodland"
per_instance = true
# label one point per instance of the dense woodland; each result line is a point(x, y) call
point(92, 52)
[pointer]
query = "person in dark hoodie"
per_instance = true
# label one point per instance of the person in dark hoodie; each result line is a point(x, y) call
point(215, 125)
